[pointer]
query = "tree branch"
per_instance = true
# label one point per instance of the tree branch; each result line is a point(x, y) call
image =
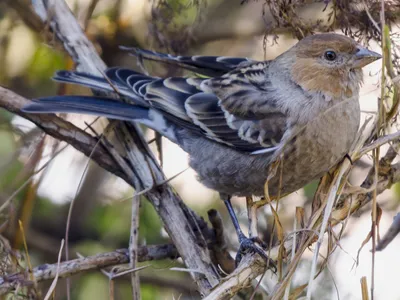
point(64, 131)
point(137, 166)
point(75, 266)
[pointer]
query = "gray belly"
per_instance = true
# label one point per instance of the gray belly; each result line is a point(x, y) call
point(325, 142)
point(320, 146)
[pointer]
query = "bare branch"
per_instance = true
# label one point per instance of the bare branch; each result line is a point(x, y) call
point(379, 142)
point(90, 263)
point(137, 166)
point(62, 130)
point(392, 232)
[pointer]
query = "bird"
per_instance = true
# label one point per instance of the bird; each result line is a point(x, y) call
point(236, 116)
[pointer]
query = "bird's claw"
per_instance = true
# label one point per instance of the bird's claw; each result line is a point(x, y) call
point(249, 245)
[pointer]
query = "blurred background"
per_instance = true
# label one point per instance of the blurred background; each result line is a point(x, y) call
point(101, 214)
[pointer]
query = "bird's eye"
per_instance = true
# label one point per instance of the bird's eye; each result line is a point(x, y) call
point(330, 55)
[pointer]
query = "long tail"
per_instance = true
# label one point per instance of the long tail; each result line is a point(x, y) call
point(157, 103)
point(118, 77)
point(104, 107)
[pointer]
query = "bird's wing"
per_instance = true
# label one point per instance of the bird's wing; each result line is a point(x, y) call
point(246, 92)
point(249, 103)
point(250, 135)
point(238, 109)
point(241, 114)
point(212, 66)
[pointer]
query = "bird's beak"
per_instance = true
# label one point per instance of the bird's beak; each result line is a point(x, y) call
point(364, 57)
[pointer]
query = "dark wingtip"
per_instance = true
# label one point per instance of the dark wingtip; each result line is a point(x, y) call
point(61, 74)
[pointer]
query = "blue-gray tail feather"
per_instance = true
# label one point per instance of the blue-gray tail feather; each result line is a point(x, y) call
point(116, 82)
point(104, 107)
point(100, 106)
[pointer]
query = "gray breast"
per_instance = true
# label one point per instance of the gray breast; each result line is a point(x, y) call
point(316, 148)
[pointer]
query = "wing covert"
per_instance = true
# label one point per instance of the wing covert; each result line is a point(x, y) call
point(245, 135)
point(245, 92)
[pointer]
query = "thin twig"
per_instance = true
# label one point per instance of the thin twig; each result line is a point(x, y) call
point(392, 232)
point(371, 18)
point(379, 142)
point(133, 246)
point(90, 263)
point(89, 13)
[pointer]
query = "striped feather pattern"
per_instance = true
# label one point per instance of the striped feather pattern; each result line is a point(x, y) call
point(236, 109)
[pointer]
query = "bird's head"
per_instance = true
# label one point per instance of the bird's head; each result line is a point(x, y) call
point(330, 63)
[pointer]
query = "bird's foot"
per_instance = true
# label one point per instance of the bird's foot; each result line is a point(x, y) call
point(249, 245)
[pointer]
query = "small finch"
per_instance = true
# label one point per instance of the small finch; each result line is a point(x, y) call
point(303, 105)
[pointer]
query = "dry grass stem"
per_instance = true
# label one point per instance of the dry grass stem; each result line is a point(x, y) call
point(54, 283)
point(364, 288)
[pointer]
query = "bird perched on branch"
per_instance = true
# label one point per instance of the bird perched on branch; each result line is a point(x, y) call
point(302, 106)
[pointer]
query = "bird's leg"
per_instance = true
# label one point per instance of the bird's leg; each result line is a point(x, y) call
point(246, 244)
point(228, 204)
